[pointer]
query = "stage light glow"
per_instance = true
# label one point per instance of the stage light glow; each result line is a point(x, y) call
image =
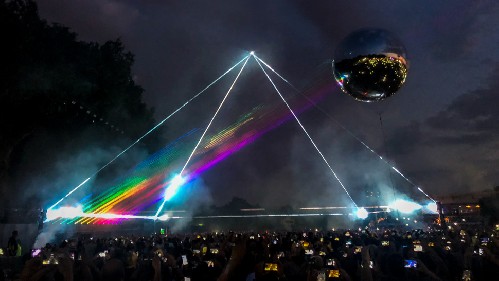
point(362, 213)
point(174, 186)
point(64, 212)
point(432, 207)
point(164, 217)
point(405, 206)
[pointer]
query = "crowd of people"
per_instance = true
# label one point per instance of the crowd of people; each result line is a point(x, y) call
point(361, 254)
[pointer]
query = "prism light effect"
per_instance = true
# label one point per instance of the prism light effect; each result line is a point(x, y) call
point(143, 188)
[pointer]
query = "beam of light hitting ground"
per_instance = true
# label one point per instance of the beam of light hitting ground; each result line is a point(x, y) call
point(254, 124)
point(173, 188)
point(245, 59)
point(344, 128)
point(305, 131)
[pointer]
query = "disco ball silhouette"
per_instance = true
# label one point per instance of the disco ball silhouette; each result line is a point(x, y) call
point(370, 64)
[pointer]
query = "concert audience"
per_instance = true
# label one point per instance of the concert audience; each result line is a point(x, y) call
point(376, 255)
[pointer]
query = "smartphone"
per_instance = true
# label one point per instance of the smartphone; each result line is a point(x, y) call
point(410, 264)
point(34, 252)
point(385, 243)
point(418, 248)
point(333, 273)
point(270, 267)
point(331, 262)
point(184, 260)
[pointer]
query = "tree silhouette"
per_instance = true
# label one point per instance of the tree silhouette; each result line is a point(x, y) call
point(59, 95)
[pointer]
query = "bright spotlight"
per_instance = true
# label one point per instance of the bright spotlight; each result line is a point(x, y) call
point(252, 53)
point(164, 217)
point(362, 213)
point(64, 212)
point(432, 207)
point(405, 206)
point(174, 186)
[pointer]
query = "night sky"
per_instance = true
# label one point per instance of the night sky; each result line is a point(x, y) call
point(440, 130)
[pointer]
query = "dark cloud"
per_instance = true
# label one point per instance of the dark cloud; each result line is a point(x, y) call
point(472, 114)
point(459, 143)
